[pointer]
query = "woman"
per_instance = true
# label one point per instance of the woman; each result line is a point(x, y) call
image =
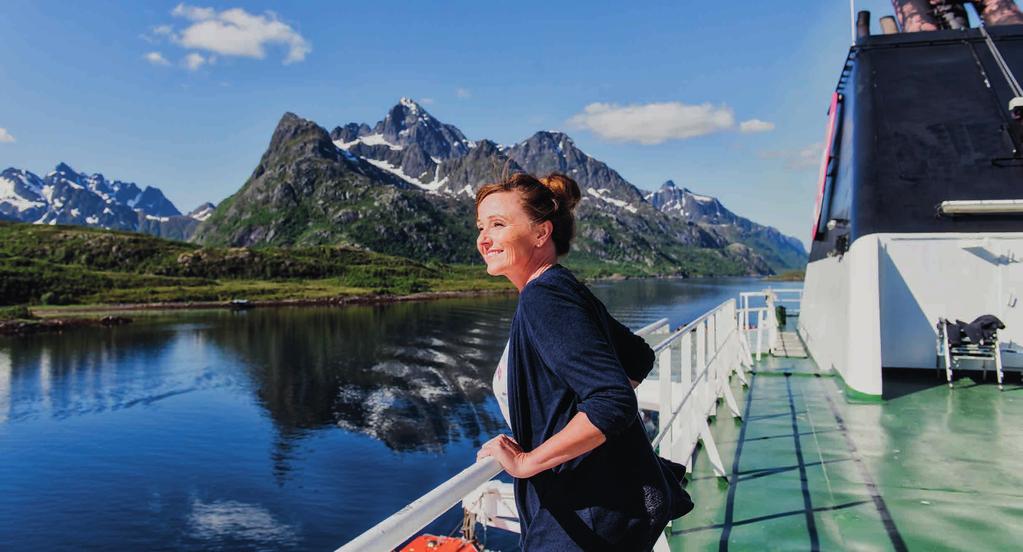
point(585, 475)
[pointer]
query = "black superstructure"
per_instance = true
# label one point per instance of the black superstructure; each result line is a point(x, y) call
point(921, 118)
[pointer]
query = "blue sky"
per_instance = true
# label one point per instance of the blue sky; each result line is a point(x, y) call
point(159, 94)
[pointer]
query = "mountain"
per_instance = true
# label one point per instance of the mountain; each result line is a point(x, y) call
point(308, 191)
point(406, 185)
point(65, 196)
point(780, 251)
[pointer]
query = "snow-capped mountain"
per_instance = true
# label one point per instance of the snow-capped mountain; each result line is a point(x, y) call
point(65, 196)
point(203, 211)
point(779, 250)
point(688, 205)
point(409, 143)
point(21, 195)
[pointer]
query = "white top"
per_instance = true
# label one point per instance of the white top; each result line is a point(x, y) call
point(500, 385)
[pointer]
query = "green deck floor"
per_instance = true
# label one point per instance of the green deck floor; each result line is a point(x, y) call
point(927, 468)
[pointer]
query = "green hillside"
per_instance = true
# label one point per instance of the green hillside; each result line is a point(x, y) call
point(59, 265)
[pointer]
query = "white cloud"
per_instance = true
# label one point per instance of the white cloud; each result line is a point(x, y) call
point(653, 123)
point(156, 58)
point(236, 32)
point(193, 61)
point(5, 137)
point(192, 12)
point(755, 125)
point(808, 157)
point(163, 30)
point(463, 93)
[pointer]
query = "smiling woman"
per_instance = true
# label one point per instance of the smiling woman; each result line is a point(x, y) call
point(585, 475)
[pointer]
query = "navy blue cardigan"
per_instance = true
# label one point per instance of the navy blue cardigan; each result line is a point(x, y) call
point(567, 355)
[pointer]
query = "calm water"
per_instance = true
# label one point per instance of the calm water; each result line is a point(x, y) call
point(267, 429)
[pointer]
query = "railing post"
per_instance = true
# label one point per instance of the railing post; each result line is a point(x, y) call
point(760, 333)
point(665, 406)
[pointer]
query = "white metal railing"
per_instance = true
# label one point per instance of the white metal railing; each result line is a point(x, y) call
point(693, 367)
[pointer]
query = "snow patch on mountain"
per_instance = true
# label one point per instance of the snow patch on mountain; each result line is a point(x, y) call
point(602, 194)
point(384, 165)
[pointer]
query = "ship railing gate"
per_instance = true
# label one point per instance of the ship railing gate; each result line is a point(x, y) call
point(690, 377)
point(758, 317)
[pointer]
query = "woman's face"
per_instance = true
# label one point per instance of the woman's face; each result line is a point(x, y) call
point(508, 239)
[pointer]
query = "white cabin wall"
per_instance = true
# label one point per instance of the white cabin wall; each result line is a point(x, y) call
point(926, 276)
point(822, 321)
point(840, 315)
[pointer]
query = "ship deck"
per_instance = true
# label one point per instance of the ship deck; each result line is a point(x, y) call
point(926, 468)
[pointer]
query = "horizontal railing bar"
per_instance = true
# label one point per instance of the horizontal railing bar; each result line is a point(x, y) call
point(688, 327)
point(418, 514)
point(652, 326)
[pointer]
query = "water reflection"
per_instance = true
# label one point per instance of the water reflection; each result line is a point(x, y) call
point(245, 524)
point(412, 375)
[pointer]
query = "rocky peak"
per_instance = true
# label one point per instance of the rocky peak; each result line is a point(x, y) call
point(691, 206)
point(350, 132)
point(63, 171)
point(409, 104)
point(553, 151)
point(408, 123)
point(203, 211)
point(296, 137)
point(485, 163)
point(22, 181)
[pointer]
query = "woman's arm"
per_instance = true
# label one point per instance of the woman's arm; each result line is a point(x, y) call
point(567, 333)
point(578, 437)
point(634, 353)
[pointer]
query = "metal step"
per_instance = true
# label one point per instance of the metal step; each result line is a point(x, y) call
point(788, 344)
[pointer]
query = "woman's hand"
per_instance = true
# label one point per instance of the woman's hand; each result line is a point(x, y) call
point(510, 455)
point(578, 437)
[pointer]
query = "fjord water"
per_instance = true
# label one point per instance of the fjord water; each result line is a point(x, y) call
point(284, 428)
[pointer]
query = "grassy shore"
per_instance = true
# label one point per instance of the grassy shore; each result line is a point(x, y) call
point(788, 276)
point(53, 271)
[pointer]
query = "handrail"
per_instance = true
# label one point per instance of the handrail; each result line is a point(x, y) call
point(652, 327)
point(687, 328)
point(418, 514)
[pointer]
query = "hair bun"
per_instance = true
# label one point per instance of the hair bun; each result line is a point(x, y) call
point(565, 190)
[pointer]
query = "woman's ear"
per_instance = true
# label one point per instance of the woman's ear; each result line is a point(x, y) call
point(543, 232)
